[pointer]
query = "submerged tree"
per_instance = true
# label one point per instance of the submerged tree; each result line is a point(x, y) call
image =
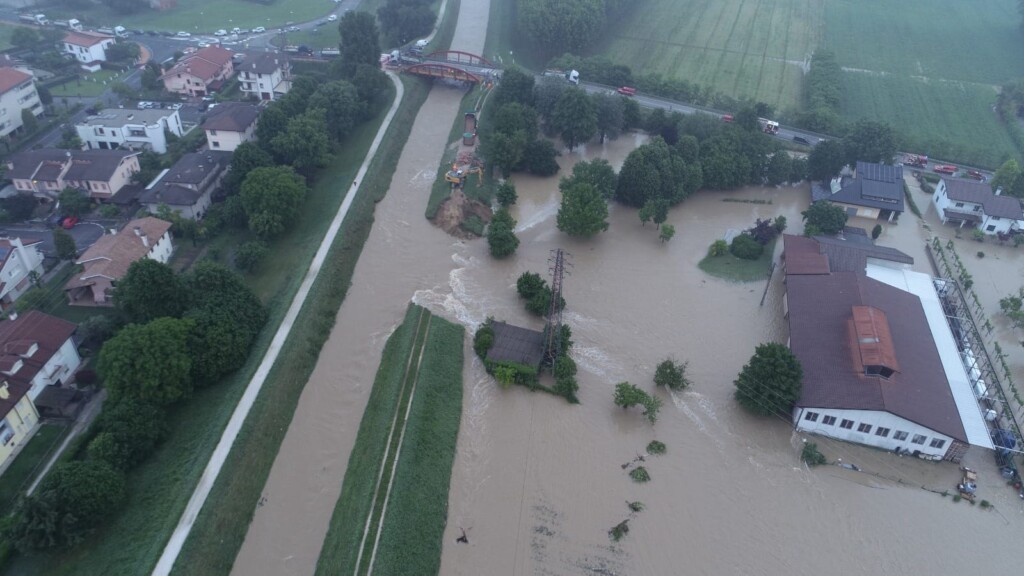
point(770, 383)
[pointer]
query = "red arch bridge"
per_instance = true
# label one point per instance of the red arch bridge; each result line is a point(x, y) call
point(451, 64)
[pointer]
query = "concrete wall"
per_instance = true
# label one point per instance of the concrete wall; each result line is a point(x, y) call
point(13, 102)
point(59, 367)
point(228, 140)
point(162, 250)
point(875, 419)
point(17, 428)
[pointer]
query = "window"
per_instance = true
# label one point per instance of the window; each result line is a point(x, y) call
point(5, 433)
point(977, 208)
point(865, 428)
point(213, 132)
point(991, 228)
point(918, 439)
point(899, 435)
point(811, 417)
point(996, 218)
point(215, 144)
point(936, 443)
point(829, 420)
point(959, 204)
point(883, 432)
point(847, 424)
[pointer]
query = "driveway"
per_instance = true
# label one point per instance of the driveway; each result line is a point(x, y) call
point(85, 235)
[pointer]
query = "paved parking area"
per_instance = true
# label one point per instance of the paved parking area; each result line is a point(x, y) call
point(85, 234)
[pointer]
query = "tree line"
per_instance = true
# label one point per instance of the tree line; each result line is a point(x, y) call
point(181, 333)
point(558, 26)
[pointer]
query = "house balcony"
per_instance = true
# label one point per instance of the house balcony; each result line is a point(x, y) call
point(964, 216)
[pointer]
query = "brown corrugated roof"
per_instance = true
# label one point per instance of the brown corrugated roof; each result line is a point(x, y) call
point(820, 310)
point(109, 258)
point(802, 256)
point(9, 78)
point(873, 338)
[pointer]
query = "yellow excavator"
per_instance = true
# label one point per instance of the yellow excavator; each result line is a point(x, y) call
point(457, 176)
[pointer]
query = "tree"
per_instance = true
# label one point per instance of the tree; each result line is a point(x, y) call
point(667, 232)
point(149, 362)
point(516, 86)
point(403, 20)
point(870, 141)
point(529, 284)
point(546, 93)
point(73, 202)
point(561, 25)
point(131, 429)
point(151, 76)
point(273, 122)
point(779, 168)
point(646, 212)
point(64, 244)
point(150, 290)
point(24, 37)
point(95, 330)
point(671, 374)
point(500, 235)
point(823, 217)
point(575, 117)
point(122, 51)
point(71, 502)
point(212, 284)
point(798, 170)
point(660, 211)
point(610, 115)
point(506, 194)
point(29, 121)
point(583, 211)
point(745, 247)
point(539, 158)
point(360, 42)
point(250, 254)
point(18, 207)
point(246, 158)
point(770, 382)
point(597, 173)
point(34, 299)
point(342, 106)
point(628, 395)
point(1009, 177)
point(304, 144)
point(271, 198)
point(504, 151)
point(69, 140)
point(826, 160)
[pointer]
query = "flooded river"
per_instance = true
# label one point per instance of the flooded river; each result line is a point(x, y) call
point(537, 483)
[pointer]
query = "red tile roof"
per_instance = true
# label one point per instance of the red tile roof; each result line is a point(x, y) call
point(803, 256)
point(204, 64)
point(85, 39)
point(17, 337)
point(9, 78)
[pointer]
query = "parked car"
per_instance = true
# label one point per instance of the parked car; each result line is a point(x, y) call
point(259, 30)
point(627, 91)
point(69, 222)
point(332, 17)
point(203, 45)
point(237, 30)
point(221, 32)
point(801, 140)
point(727, 118)
point(184, 34)
point(944, 169)
point(293, 28)
point(976, 175)
point(144, 105)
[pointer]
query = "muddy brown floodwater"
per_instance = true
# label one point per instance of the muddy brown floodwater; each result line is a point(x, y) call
point(537, 483)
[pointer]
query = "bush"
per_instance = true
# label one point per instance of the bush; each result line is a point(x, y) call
point(656, 448)
point(109, 211)
point(764, 231)
point(671, 374)
point(566, 386)
point(718, 248)
point(876, 231)
point(249, 255)
point(565, 367)
point(639, 474)
point(746, 247)
point(483, 340)
point(474, 225)
point(978, 235)
point(529, 284)
point(812, 456)
point(981, 254)
point(506, 194)
point(539, 158)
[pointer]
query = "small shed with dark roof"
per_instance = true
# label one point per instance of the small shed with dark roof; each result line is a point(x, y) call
point(517, 345)
point(875, 191)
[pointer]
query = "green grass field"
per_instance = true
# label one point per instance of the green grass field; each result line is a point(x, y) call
point(417, 510)
point(317, 38)
point(740, 48)
point(89, 85)
point(203, 15)
point(729, 267)
point(5, 35)
point(931, 70)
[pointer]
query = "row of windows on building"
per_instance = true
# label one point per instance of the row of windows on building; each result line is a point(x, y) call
point(879, 431)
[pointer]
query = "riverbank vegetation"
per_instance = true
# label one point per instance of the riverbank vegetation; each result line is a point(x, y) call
point(420, 370)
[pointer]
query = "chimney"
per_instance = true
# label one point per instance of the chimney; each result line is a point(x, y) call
point(13, 315)
point(145, 239)
point(4, 392)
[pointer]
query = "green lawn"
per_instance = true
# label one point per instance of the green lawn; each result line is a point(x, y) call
point(736, 269)
point(740, 48)
point(221, 526)
point(21, 472)
point(417, 509)
point(6, 30)
point(205, 16)
point(326, 36)
point(88, 85)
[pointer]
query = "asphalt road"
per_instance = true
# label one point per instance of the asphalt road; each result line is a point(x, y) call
point(85, 234)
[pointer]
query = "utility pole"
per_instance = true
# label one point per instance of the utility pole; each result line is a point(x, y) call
point(557, 264)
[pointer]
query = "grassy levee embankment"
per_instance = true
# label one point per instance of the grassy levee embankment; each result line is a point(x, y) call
point(220, 528)
point(418, 457)
point(441, 189)
point(161, 486)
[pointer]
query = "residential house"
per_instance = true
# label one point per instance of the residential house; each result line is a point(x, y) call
point(200, 73)
point(47, 171)
point(20, 264)
point(17, 93)
point(88, 48)
point(974, 204)
point(187, 187)
point(18, 420)
point(107, 261)
point(881, 365)
point(265, 76)
point(230, 124)
point(114, 128)
point(874, 191)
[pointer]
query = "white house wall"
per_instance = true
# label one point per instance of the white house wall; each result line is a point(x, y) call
point(60, 367)
point(161, 252)
point(875, 419)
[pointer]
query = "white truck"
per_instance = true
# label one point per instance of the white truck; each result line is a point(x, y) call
point(118, 31)
point(72, 24)
point(36, 19)
point(570, 75)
